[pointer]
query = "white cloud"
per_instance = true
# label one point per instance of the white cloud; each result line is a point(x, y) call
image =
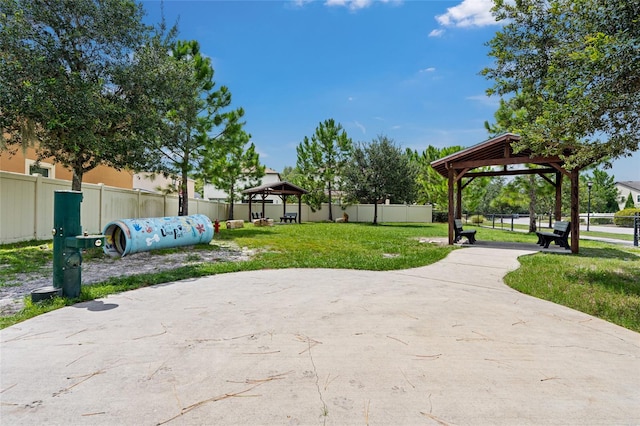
point(356, 4)
point(469, 13)
point(492, 101)
point(300, 3)
point(360, 126)
point(430, 69)
point(436, 33)
point(350, 98)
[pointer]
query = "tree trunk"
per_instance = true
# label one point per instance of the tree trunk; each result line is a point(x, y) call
point(231, 203)
point(76, 181)
point(375, 213)
point(330, 210)
point(184, 195)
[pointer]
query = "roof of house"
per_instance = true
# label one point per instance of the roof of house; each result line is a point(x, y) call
point(631, 184)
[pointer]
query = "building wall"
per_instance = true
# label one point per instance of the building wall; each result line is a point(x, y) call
point(149, 182)
point(20, 163)
point(624, 191)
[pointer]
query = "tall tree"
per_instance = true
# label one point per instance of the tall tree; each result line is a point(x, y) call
point(572, 67)
point(232, 164)
point(191, 121)
point(321, 161)
point(63, 81)
point(604, 194)
point(432, 187)
point(380, 171)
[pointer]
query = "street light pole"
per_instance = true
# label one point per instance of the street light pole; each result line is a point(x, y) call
point(589, 185)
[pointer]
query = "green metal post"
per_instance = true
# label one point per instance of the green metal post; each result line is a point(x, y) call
point(66, 259)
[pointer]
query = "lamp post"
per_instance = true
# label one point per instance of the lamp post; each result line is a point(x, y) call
point(589, 185)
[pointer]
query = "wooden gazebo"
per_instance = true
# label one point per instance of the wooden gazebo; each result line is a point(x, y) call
point(283, 189)
point(498, 152)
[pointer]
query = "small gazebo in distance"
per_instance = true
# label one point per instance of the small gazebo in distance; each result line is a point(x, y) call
point(499, 152)
point(283, 189)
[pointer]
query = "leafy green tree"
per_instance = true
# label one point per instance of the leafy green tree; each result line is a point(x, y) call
point(191, 120)
point(491, 191)
point(604, 194)
point(232, 164)
point(378, 171)
point(571, 70)
point(64, 69)
point(321, 161)
point(629, 204)
point(511, 199)
point(432, 187)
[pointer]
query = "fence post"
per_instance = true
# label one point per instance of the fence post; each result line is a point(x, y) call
point(636, 228)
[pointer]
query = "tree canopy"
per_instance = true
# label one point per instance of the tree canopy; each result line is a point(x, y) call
point(194, 119)
point(321, 161)
point(62, 65)
point(232, 164)
point(379, 171)
point(570, 71)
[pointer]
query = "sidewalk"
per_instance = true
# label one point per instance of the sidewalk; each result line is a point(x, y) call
point(447, 343)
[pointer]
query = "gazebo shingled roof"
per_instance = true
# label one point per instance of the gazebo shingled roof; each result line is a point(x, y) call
point(498, 151)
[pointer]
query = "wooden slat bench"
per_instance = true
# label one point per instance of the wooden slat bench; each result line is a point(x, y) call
point(471, 235)
point(289, 217)
point(559, 235)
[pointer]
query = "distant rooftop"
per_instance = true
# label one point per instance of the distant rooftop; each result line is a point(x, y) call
point(631, 184)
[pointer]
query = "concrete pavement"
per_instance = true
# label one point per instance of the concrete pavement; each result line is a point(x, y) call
point(447, 343)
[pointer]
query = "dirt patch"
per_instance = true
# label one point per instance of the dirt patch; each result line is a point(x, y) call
point(98, 270)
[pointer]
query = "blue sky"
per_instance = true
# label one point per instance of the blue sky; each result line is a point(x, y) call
point(405, 69)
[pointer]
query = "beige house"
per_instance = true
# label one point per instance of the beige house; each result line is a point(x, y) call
point(25, 163)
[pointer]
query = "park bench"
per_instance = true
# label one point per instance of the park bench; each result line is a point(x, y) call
point(289, 217)
point(471, 235)
point(257, 215)
point(559, 235)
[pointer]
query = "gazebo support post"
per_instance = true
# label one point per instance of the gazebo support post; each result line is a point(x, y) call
point(250, 198)
point(459, 199)
point(299, 218)
point(575, 211)
point(284, 204)
point(450, 216)
point(558, 206)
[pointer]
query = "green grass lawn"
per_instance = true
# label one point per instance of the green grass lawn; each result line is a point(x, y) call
point(603, 280)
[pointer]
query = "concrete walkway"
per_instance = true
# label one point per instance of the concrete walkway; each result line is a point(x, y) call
point(444, 344)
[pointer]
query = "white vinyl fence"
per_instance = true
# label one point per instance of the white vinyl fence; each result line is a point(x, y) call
point(26, 208)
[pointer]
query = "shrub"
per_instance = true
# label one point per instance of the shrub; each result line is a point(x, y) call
point(440, 217)
point(625, 217)
point(629, 204)
point(477, 219)
point(601, 221)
